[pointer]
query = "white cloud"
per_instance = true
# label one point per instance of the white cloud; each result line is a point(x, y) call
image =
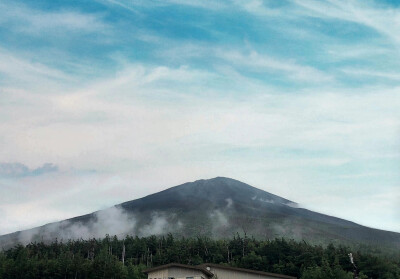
point(112, 221)
point(158, 225)
point(35, 22)
point(250, 61)
point(18, 69)
point(265, 64)
point(383, 20)
point(205, 4)
point(63, 195)
point(355, 51)
point(122, 4)
point(258, 7)
point(218, 219)
point(371, 73)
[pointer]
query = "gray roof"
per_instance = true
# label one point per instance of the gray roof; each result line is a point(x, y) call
point(199, 268)
point(203, 268)
point(247, 270)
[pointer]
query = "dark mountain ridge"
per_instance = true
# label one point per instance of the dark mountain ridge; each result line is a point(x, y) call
point(214, 191)
point(218, 207)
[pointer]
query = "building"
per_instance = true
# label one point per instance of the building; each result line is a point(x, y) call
point(208, 271)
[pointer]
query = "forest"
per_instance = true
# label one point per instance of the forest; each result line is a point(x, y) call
point(125, 258)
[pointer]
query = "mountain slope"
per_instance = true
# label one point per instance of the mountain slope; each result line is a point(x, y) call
point(217, 207)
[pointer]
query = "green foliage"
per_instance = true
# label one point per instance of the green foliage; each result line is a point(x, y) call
point(325, 271)
point(102, 258)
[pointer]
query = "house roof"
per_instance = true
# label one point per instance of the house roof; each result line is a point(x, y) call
point(203, 268)
point(246, 270)
point(199, 268)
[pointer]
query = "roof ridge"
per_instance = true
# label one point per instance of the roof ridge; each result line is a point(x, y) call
point(196, 267)
point(205, 268)
point(205, 265)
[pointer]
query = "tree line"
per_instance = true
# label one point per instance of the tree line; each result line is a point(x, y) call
point(126, 258)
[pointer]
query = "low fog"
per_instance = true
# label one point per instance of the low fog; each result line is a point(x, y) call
point(119, 222)
point(112, 221)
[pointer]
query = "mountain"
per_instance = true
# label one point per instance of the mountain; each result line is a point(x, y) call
point(218, 207)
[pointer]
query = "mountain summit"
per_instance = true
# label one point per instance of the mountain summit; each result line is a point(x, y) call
point(218, 207)
point(212, 193)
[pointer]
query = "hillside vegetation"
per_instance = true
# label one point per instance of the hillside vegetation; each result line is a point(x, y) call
point(103, 258)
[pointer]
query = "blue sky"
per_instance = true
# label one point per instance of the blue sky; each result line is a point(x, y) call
point(110, 100)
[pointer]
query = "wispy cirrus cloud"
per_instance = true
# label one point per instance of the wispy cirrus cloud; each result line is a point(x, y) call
point(206, 4)
point(372, 73)
point(37, 22)
point(248, 61)
point(383, 20)
point(24, 70)
point(264, 64)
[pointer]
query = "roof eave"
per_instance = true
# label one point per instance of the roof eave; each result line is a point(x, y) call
point(195, 267)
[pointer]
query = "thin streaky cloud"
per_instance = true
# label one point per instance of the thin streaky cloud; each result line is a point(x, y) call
point(264, 63)
point(17, 67)
point(30, 20)
point(371, 73)
point(249, 59)
point(125, 5)
point(384, 21)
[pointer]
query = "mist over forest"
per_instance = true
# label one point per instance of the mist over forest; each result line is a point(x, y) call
point(128, 257)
